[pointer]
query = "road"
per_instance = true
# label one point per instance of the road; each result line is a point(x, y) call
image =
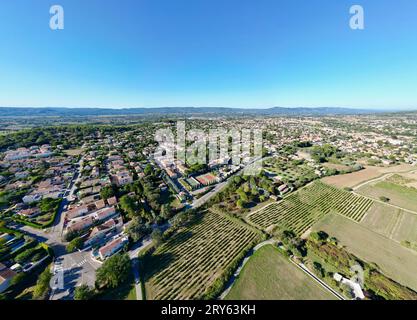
point(78, 268)
point(133, 254)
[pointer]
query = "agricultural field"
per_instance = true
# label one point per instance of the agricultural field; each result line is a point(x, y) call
point(398, 194)
point(300, 210)
point(393, 259)
point(196, 262)
point(268, 275)
point(396, 224)
point(351, 180)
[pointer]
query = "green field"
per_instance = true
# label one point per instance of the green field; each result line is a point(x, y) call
point(197, 261)
point(268, 275)
point(396, 224)
point(394, 260)
point(300, 210)
point(399, 195)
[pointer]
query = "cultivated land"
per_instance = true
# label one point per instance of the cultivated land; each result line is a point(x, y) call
point(300, 210)
point(394, 260)
point(391, 222)
point(353, 179)
point(268, 275)
point(190, 262)
point(399, 195)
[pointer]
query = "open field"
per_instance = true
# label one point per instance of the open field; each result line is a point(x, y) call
point(399, 195)
point(382, 219)
point(300, 210)
point(353, 179)
point(394, 260)
point(391, 222)
point(268, 275)
point(194, 259)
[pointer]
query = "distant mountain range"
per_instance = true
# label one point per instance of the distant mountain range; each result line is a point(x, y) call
point(67, 112)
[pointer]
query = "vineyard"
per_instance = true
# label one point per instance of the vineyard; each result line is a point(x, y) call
point(194, 262)
point(300, 210)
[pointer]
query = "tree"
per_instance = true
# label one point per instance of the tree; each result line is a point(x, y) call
point(136, 230)
point(107, 192)
point(384, 199)
point(318, 268)
point(240, 204)
point(83, 292)
point(129, 205)
point(18, 278)
point(319, 236)
point(71, 235)
point(157, 237)
point(42, 285)
point(75, 244)
point(148, 170)
point(114, 271)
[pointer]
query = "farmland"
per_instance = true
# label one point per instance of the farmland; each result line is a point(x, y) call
point(300, 210)
point(353, 179)
point(394, 260)
point(269, 275)
point(396, 224)
point(399, 195)
point(196, 261)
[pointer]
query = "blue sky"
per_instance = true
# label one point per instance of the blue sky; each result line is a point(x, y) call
point(226, 53)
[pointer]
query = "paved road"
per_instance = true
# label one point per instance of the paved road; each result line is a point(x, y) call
point(133, 254)
point(78, 268)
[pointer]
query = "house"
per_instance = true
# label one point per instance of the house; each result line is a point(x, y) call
point(100, 204)
point(112, 201)
point(104, 213)
point(31, 198)
point(112, 247)
point(76, 212)
point(283, 188)
point(207, 179)
point(99, 233)
point(6, 276)
point(80, 224)
point(21, 175)
point(171, 173)
point(123, 178)
point(30, 213)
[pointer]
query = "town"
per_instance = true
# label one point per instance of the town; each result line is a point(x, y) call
point(90, 195)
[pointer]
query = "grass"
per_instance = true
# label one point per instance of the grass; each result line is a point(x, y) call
point(402, 196)
point(268, 275)
point(382, 219)
point(393, 259)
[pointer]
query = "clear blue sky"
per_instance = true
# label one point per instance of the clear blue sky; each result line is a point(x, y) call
point(229, 53)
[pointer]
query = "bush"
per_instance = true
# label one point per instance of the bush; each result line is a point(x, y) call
point(384, 199)
point(42, 285)
point(114, 271)
point(84, 292)
point(75, 244)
